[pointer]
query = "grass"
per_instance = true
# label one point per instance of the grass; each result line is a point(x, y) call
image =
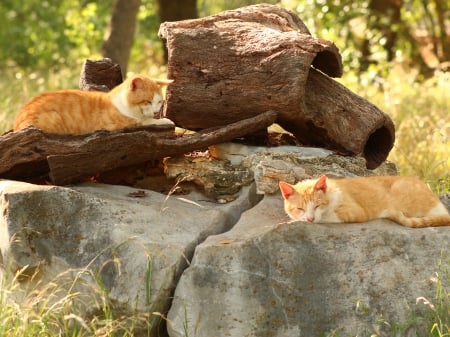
point(75, 303)
point(421, 114)
point(438, 315)
point(36, 309)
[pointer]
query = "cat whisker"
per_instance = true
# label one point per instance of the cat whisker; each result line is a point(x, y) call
point(160, 113)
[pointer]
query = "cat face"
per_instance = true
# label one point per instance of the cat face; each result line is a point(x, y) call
point(140, 98)
point(144, 97)
point(306, 200)
point(151, 108)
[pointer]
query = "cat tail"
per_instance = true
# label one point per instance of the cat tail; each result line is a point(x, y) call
point(426, 221)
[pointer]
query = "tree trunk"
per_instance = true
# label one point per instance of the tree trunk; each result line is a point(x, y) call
point(441, 37)
point(118, 45)
point(383, 16)
point(176, 10)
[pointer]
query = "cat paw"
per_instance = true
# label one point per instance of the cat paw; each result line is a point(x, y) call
point(161, 121)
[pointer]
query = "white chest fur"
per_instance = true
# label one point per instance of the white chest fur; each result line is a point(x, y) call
point(328, 214)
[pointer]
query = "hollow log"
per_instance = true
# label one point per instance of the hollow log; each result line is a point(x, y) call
point(336, 118)
point(239, 63)
point(32, 154)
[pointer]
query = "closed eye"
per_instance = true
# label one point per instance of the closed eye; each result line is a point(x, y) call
point(151, 102)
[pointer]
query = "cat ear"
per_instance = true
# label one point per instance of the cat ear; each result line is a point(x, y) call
point(287, 190)
point(135, 83)
point(162, 82)
point(321, 184)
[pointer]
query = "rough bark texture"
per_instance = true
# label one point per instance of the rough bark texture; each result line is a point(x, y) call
point(239, 63)
point(100, 75)
point(30, 153)
point(336, 118)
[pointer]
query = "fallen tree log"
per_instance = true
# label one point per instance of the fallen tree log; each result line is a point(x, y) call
point(32, 154)
point(239, 63)
point(336, 118)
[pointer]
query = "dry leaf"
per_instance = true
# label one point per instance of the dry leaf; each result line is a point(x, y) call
point(227, 241)
point(137, 194)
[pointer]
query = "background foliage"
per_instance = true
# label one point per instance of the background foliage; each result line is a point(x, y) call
point(395, 53)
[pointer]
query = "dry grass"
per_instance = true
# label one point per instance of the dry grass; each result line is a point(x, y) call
point(421, 114)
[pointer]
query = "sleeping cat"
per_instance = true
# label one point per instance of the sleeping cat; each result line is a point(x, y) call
point(405, 200)
point(137, 101)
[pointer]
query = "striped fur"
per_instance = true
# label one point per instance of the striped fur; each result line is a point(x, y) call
point(137, 101)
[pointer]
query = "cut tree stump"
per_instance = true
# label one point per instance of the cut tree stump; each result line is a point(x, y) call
point(31, 154)
point(100, 75)
point(240, 63)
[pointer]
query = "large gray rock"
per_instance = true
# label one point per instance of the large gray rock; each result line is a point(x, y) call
point(253, 274)
point(138, 242)
point(266, 277)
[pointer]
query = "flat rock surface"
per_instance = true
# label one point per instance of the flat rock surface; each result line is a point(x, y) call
point(270, 278)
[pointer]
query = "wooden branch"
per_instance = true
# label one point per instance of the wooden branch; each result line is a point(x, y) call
point(31, 153)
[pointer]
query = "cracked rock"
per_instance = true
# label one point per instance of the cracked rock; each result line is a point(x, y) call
point(48, 230)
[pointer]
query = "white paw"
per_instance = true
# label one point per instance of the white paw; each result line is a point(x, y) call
point(161, 121)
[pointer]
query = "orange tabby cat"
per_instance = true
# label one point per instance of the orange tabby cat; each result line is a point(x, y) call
point(134, 102)
point(405, 200)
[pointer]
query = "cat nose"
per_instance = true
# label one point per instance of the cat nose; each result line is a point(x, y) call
point(310, 218)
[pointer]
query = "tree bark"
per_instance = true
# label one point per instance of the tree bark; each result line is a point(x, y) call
point(100, 75)
point(334, 117)
point(32, 154)
point(239, 63)
point(118, 45)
